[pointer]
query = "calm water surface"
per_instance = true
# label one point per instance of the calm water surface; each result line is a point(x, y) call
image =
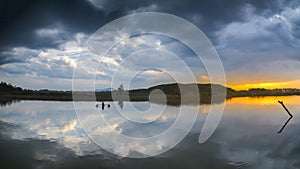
point(47, 134)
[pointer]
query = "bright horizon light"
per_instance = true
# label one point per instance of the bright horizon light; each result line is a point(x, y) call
point(267, 85)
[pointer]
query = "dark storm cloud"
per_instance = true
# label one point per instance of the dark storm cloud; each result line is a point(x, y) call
point(208, 15)
point(20, 20)
point(211, 15)
point(260, 39)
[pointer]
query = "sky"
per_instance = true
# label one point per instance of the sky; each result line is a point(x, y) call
point(42, 42)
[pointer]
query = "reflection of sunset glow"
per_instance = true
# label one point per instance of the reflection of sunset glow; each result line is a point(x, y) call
point(269, 85)
point(269, 100)
point(204, 108)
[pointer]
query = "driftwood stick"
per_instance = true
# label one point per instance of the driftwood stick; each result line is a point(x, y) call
point(281, 102)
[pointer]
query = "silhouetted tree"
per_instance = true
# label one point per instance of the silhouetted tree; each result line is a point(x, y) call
point(121, 89)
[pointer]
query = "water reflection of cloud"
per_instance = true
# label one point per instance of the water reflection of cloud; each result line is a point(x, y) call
point(52, 121)
point(56, 121)
point(70, 126)
point(246, 136)
point(117, 136)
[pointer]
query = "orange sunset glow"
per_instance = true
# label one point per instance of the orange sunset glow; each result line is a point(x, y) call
point(267, 85)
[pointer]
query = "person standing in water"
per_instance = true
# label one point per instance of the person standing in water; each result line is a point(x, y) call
point(103, 105)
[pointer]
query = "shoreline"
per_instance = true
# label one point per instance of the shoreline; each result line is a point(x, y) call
point(173, 92)
point(141, 98)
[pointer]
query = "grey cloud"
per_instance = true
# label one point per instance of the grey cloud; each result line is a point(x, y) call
point(260, 39)
point(17, 55)
point(40, 63)
point(153, 69)
point(24, 54)
point(115, 6)
point(19, 21)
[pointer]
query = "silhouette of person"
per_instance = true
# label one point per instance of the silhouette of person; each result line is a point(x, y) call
point(103, 105)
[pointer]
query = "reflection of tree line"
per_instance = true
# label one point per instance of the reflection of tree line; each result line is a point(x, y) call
point(4, 103)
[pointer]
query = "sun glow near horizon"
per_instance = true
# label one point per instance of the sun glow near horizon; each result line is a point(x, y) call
point(266, 85)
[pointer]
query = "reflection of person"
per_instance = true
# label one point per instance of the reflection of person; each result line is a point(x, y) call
point(97, 105)
point(121, 104)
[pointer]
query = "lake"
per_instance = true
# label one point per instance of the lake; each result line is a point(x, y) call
point(47, 134)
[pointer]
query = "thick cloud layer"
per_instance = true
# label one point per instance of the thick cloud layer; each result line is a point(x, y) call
point(21, 20)
point(43, 38)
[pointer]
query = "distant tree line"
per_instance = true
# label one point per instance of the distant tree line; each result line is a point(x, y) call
point(172, 91)
point(9, 88)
